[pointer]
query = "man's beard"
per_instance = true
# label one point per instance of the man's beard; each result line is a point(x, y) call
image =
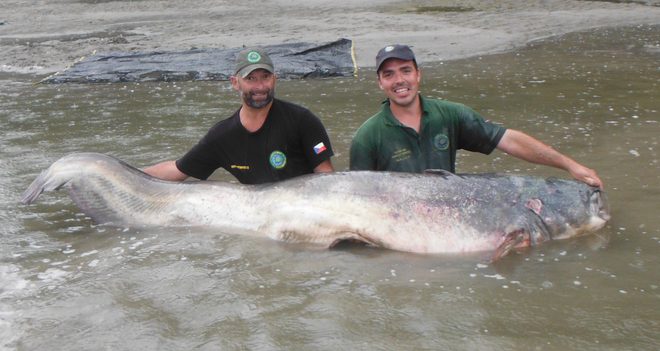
point(248, 98)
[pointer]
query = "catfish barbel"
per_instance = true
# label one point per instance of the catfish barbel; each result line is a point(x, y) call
point(434, 212)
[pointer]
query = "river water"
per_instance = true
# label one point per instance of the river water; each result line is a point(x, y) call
point(68, 284)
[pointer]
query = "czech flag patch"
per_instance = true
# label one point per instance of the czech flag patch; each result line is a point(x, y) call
point(319, 148)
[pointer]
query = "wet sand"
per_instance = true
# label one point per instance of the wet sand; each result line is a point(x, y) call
point(43, 37)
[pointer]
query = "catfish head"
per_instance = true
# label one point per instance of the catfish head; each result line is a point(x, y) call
point(567, 208)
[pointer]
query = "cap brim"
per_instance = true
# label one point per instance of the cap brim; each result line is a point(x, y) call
point(248, 69)
point(404, 57)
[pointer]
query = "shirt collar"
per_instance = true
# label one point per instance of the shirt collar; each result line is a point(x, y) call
point(392, 121)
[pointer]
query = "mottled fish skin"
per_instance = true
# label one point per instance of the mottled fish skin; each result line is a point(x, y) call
point(435, 212)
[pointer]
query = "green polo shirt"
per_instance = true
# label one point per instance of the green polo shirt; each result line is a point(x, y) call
point(382, 143)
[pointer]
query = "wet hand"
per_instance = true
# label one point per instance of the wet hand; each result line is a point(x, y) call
point(587, 175)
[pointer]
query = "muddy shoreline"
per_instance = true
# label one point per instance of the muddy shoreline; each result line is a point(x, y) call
point(44, 37)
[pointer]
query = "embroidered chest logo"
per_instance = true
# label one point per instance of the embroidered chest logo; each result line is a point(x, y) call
point(401, 154)
point(441, 142)
point(277, 159)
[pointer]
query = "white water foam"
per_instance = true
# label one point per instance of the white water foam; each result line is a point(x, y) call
point(11, 285)
point(22, 70)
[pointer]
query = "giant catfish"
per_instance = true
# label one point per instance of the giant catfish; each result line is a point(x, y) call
point(435, 212)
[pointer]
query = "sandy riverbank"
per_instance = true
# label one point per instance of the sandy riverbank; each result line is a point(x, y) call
point(42, 37)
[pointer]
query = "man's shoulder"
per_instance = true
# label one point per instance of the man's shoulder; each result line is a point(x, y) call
point(290, 107)
point(437, 103)
point(375, 121)
point(295, 119)
point(370, 129)
point(446, 111)
point(225, 126)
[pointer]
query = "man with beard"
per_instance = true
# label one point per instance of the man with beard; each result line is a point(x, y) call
point(412, 133)
point(266, 140)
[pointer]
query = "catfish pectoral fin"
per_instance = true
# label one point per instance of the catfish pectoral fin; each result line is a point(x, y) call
point(351, 238)
point(512, 240)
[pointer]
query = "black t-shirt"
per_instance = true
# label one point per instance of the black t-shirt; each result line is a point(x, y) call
point(291, 142)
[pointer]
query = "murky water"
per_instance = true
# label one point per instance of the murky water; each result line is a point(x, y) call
point(68, 284)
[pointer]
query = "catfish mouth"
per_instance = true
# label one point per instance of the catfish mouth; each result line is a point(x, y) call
point(596, 215)
point(600, 206)
point(599, 210)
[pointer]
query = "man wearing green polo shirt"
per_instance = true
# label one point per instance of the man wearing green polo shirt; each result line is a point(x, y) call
point(412, 133)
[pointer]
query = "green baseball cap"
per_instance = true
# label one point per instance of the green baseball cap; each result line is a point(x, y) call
point(250, 59)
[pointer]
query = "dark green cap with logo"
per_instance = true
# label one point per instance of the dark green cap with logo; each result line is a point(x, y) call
point(250, 59)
